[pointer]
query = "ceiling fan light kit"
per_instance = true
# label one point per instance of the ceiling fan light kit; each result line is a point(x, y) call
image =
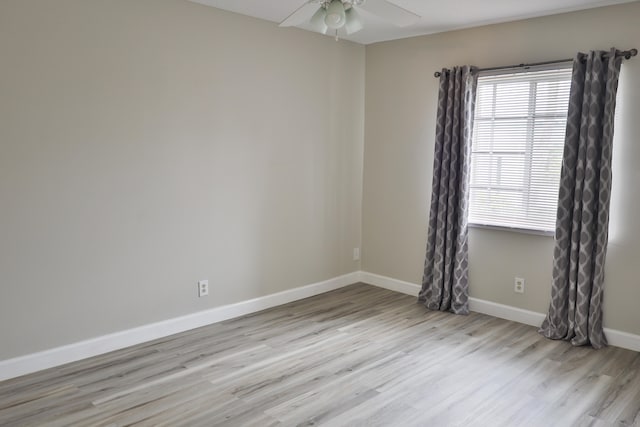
point(341, 15)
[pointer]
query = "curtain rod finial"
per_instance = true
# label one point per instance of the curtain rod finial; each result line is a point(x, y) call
point(437, 74)
point(632, 52)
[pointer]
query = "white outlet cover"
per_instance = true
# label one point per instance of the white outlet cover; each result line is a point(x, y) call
point(356, 254)
point(203, 288)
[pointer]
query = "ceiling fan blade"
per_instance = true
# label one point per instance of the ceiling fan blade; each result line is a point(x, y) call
point(300, 15)
point(390, 12)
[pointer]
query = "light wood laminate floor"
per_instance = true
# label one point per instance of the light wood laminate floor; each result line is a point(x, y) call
point(358, 356)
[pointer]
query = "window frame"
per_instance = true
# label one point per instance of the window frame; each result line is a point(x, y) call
point(531, 117)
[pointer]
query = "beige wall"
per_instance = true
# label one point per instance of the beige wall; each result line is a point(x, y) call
point(399, 127)
point(147, 144)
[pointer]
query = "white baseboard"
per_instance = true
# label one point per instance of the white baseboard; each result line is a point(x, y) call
point(622, 339)
point(22, 365)
point(615, 337)
point(508, 312)
point(389, 283)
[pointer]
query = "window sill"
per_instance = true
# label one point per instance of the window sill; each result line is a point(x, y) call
point(513, 229)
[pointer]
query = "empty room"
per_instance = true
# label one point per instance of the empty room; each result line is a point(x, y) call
point(319, 212)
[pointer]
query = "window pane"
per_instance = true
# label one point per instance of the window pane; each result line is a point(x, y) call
point(496, 207)
point(485, 107)
point(551, 97)
point(498, 170)
point(512, 99)
point(500, 135)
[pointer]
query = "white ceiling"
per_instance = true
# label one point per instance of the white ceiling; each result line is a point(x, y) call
point(436, 16)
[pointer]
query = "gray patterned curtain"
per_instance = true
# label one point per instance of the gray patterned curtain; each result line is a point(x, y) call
point(575, 312)
point(445, 280)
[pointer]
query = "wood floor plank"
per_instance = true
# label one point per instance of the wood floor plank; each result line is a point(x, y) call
point(356, 356)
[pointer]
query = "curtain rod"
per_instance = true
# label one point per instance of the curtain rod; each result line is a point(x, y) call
point(627, 55)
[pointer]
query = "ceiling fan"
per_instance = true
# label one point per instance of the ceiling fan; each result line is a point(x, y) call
point(335, 15)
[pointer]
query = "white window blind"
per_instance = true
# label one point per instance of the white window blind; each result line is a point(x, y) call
point(516, 154)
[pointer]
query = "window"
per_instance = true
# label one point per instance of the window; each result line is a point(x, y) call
point(516, 154)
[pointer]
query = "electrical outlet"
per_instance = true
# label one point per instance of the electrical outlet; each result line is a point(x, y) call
point(518, 285)
point(356, 254)
point(203, 288)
